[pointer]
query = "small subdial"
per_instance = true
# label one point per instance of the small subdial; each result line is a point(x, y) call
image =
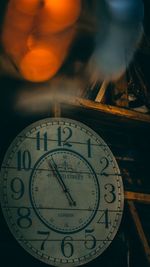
point(64, 191)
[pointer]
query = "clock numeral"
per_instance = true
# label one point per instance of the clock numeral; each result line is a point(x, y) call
point(89, 148)
point(90, 240)
point(105, 162)
point(46, 235)
point(23, 160)
point(17, 187)
point(24, 221)
point(110, 196)
point(40, 139)
point(104, 219)
point(67, 247)
point(66, 131)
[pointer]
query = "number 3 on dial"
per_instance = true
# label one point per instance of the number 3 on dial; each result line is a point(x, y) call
point(62, 193)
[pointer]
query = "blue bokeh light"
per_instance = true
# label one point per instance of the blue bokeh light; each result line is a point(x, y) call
point(126, 10)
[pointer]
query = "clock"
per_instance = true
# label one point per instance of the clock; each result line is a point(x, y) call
point(61, 192)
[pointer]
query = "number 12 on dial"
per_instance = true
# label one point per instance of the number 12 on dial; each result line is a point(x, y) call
point(62, 193)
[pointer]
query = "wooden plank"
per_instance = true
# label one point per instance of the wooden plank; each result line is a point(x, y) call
point(127, 159)
point(111, 110)
point(138, 197)
point(56, 110)
point(139, 229)
point(30, 101)
point(102, 91)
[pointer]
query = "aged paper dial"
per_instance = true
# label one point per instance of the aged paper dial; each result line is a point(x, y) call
point(61, 192)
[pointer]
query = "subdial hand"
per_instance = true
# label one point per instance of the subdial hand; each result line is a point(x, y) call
point(57, 174)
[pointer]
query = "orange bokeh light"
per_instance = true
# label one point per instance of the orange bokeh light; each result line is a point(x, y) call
point(45, 56)
point(37, 36)
point(57, 15)
point(28, 7)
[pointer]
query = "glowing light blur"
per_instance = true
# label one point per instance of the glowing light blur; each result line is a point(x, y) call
point(37, 37)
point(57, 15)
point(122, 33)
point(126, 10)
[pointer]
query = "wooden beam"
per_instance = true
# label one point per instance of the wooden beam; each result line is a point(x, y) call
point(138, 197)
point(29, 101)
point(129, 159)
point(139, 229)
point(111, 110)
point(57, 110)
point(102, 91)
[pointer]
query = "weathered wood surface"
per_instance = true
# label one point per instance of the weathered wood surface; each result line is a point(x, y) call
point(111, 110)
point(139, 229)
point(137, 197)
point(102, 91)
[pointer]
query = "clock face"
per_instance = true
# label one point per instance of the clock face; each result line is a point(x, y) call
point(61, 192)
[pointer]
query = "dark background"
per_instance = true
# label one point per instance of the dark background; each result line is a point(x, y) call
point(125, 138)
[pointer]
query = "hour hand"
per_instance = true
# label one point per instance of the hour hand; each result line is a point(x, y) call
point(57, 174)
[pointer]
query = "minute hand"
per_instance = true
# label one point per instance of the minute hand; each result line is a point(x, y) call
point(54, 168)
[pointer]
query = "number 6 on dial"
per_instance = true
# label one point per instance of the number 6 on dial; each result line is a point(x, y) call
point(61, 192)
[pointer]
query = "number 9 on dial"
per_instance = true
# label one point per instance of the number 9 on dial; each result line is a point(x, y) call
point(61, 192)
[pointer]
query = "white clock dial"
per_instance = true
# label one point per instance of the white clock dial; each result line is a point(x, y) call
point(62, 176)
point(61, 192)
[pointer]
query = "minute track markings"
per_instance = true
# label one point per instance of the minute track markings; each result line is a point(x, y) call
point(75, 156)
point(81, 133)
